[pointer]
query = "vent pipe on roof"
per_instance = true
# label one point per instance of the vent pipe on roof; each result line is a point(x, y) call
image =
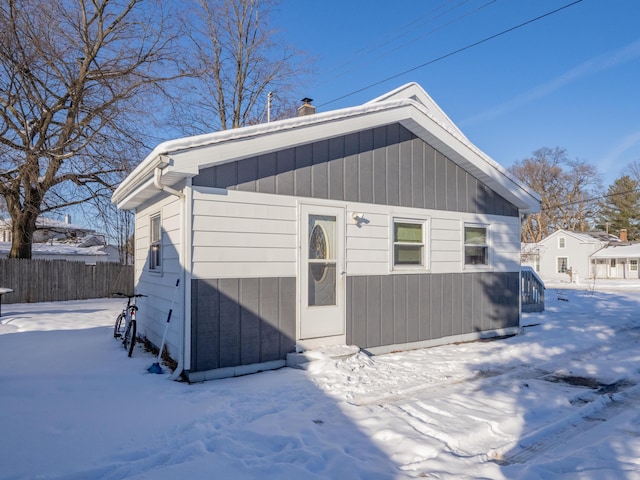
point(306, 108)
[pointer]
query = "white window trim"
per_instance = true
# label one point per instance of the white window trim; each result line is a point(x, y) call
point(557, 265)
point(562, 243)
point(633, 263)
point(159, 268)
point(424, 221)
point(488, 265)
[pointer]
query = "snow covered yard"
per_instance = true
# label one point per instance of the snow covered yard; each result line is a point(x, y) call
point(559, 401)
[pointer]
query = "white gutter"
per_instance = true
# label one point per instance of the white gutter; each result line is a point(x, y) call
point(157, 182)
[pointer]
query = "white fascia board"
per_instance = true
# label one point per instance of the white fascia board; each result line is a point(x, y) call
point(139, 175)
point(129, 200)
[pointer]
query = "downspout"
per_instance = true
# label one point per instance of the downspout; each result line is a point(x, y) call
point(157, 182)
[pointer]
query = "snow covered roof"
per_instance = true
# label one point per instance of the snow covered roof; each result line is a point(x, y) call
point(619, 251)
point(408, 105)
point(50, 223)
point(584, 237)
point(57, 249)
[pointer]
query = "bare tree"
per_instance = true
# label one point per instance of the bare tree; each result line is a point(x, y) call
point(566, 188)
point(237, 60)
point(634, 170)
point(75, 76)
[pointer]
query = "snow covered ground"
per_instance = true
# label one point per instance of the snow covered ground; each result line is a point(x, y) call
point(559, 401)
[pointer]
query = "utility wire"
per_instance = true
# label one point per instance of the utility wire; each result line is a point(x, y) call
point(358, 58)
point(447, 55)
point(589, 200)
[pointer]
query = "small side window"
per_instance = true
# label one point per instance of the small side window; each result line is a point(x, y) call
point(155, 247)
point(476, 245)
point(561, 242)
point(562, 264)
point(408, 243)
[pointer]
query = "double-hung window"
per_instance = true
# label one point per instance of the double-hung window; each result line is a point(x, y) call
point(155, 246)
point(476, 245)
point(562, 242)
point(563, 263)
point(409, 243)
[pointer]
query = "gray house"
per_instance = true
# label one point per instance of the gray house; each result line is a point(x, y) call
point(380, 226)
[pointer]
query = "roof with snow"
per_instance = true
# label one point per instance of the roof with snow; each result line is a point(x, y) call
point(50, 223)
point(584, 237)
point(54, 249)
point(619, 251)
point(171, 162)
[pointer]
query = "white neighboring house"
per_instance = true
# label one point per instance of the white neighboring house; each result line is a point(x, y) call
point(56, 240)
point(570, 256)
point(617, 261)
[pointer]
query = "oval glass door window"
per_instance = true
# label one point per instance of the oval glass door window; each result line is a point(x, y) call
point(322, 267)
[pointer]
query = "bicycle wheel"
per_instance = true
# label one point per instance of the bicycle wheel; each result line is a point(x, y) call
point(130, 337)
point(117, 329)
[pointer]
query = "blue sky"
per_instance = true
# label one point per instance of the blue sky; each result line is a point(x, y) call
point(570, 79)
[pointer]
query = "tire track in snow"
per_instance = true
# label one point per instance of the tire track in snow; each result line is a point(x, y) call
point(559, 433)
point(523, 371)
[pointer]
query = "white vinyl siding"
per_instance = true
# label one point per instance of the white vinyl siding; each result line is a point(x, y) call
point(160, 286)
point(369, 245)
point(248, 235)
point(243, 235)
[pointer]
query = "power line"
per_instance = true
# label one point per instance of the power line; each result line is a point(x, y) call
point(589, 200)
point(447, 55)
point(358, 58)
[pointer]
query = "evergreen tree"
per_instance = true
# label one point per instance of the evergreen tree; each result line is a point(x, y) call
point(620, 208)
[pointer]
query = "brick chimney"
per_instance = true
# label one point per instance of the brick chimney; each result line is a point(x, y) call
point(623, 235)
point(306, 108)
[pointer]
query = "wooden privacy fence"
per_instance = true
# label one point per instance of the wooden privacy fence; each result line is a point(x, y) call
point(59, 280)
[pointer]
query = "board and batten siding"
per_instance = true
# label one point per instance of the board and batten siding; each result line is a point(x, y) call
point(387, 165)
point(241, 321)
point(387, 310)
point(160, 286)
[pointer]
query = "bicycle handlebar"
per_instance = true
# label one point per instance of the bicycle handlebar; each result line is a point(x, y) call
point(120, 294)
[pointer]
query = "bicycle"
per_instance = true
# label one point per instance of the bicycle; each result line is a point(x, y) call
point(127, 331)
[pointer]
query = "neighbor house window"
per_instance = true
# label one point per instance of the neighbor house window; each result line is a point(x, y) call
point(155, 247)
point(562, 264)
point(408, 243)
point(561, 242)
point(476, 245)
point(633, 265)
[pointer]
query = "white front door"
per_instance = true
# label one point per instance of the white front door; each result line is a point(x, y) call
point(321, 279)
